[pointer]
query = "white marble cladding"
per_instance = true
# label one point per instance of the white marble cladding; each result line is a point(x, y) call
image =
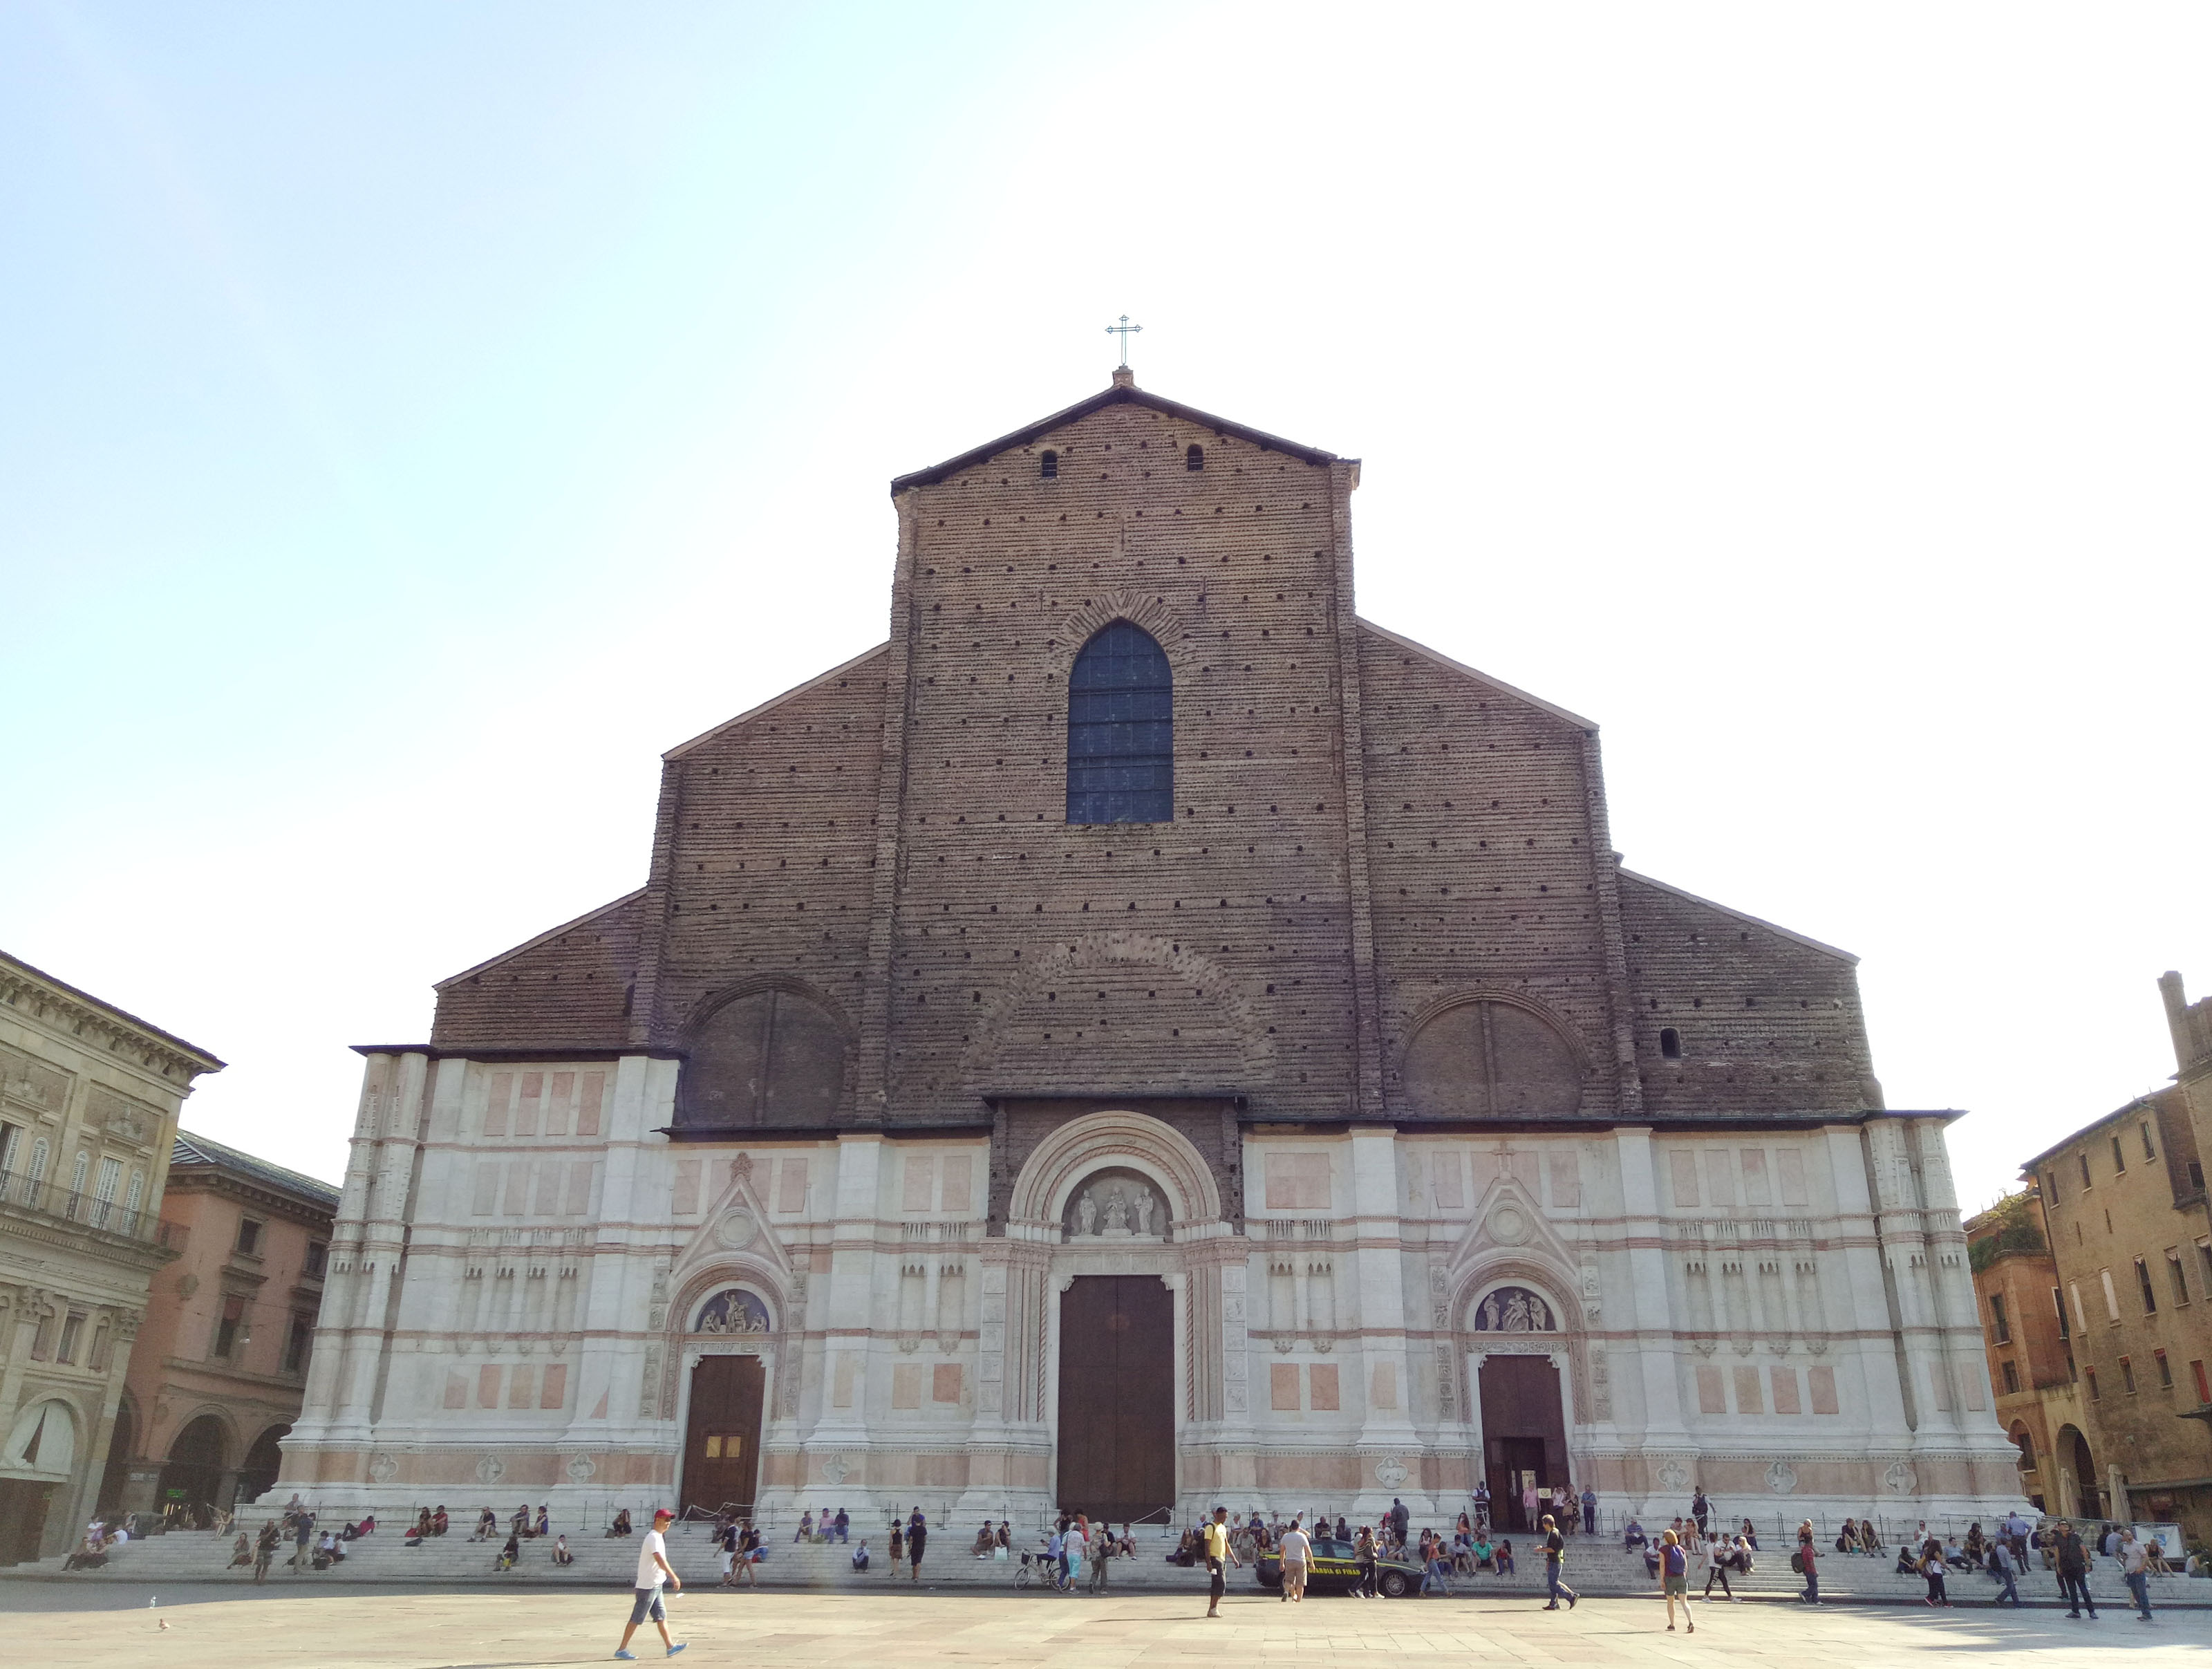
point(1722, 1301)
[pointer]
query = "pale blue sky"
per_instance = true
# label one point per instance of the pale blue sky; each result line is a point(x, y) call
point(414, 418)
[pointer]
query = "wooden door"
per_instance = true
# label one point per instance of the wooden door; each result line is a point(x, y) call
point(1117, 1396)
point(721, 1441)
point(1524, 1432)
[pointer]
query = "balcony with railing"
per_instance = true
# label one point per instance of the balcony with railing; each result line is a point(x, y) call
point(18, 1191)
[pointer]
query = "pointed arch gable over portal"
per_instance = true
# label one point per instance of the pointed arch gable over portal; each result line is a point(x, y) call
point(1099, 1140)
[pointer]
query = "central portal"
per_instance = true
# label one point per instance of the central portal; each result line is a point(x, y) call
point(1524, 1438)
point(1117, 1398)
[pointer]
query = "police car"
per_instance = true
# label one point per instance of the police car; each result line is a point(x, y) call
point(1334, 1568)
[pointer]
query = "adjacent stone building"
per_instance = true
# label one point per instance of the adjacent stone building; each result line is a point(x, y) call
point(88, 1101)
point(2131, 1241)
point(2031, 1352)
point(220, 1364)
point(1145, 1037)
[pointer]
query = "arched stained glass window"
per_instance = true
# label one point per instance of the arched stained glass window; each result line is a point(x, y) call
point(1120, 730)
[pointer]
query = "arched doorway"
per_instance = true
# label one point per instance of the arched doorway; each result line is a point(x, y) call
point(193, 1471)
point(1516, 1333)
point(122, 1444)
point(257, 1473)
point(42, 1442)
point(1124, 1352)
point(2078, 1469)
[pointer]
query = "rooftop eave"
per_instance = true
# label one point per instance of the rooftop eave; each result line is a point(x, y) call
point(1118, 395)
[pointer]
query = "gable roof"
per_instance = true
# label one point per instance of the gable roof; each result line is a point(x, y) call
point(1119, 394)
point(196, 1152)
point(1745, 915)
point(551, 933)
point(1478, 675)
point(772, 702)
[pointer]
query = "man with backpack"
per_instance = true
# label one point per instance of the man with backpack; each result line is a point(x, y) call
point(2074, 1572)
point(1805, 1562)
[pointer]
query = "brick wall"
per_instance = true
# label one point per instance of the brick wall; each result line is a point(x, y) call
point(1364, 832)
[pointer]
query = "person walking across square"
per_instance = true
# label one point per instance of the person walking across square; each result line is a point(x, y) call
point(1297, 1547)
point(2006, 1569)
point(2073, 1573)
point(652, 1570)
point(917, 1534)
point(1219, 1555)
point(1807, 1562)
point(1555, 1552)
point(1674, 1579)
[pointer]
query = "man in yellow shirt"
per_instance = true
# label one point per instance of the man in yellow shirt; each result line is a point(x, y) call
point(1219, 1555)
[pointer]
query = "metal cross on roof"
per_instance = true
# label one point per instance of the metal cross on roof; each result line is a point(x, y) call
point(1125, 330)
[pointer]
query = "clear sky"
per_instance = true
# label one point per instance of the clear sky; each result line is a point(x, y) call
point(413, 419)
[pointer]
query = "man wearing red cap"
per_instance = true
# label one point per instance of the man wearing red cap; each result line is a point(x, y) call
point(652, 1569)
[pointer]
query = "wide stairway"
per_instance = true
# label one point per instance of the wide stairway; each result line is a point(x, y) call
point(1597, 1565)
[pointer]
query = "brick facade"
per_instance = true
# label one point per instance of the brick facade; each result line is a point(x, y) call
point(2130, 1233)
point(1385, 933)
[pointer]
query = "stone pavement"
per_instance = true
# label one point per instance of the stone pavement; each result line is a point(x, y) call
point(342, 1627)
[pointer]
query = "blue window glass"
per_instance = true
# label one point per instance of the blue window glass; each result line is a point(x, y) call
point(1120, 730)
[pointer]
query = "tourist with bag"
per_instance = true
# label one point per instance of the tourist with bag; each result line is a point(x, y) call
point(1805, 1562)
point(1932, 1566)
point(1674, 1579)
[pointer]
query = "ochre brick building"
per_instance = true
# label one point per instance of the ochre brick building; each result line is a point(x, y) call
point(2131, 1239)
point(1144, 1037)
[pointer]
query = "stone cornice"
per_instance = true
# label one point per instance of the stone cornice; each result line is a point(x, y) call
point(215, 1179)
point(49, 1001)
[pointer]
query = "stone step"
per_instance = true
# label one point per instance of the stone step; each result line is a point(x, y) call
point(203, 1557)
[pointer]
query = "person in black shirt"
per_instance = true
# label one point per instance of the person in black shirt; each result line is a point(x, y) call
point(1555, 1550)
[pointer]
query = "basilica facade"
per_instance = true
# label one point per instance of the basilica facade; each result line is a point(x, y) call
point(1144, 1037)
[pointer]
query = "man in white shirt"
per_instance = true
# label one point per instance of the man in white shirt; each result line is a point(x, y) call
point(2135, 1559)
point(1297, 1549)
point(652, 1569)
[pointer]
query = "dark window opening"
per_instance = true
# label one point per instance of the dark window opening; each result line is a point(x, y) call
point(318, 1259)
point(2149, 1151)
point(2196, 1174)
point(2120, 1157)
point(2127, 1375)
point(1193, 458)
point(2084, 1159)
point(2011, 1375)
point(1049, 465)
point(1120, 730)
point(249, 1236)
point(297, 1343)
point(2142, 1281)
point(226, 1329)
point(2058, 1303)
point(1670, 1043)
point(2050, 1181)
point(2001, 1323)
point(2178, 1278)
point(2165, 1370)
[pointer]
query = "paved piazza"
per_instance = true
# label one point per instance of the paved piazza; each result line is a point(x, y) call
point(211, 1630)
